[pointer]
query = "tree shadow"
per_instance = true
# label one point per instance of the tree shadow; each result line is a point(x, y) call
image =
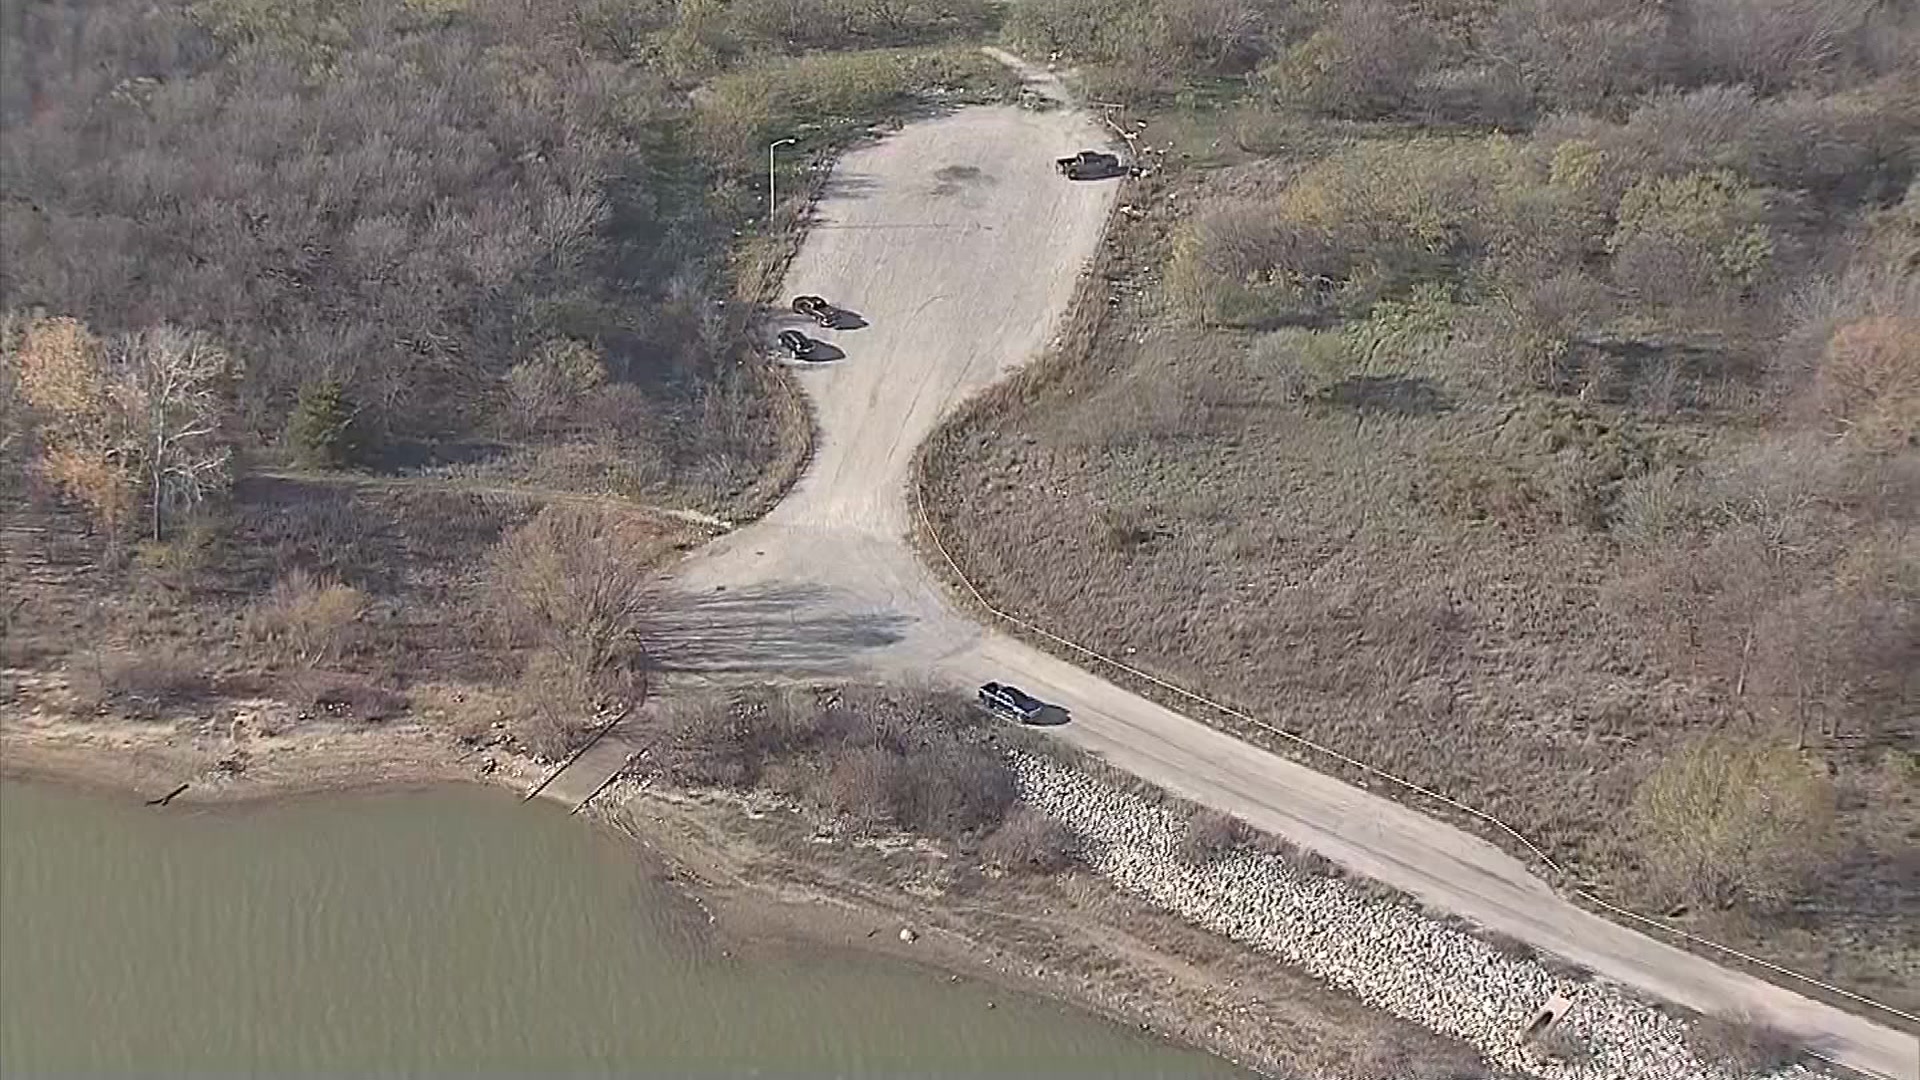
point(1395, 395)
point(848, 186)
point(784, 628)
point(1051, 715)
point(952, 179)
point(406, 453)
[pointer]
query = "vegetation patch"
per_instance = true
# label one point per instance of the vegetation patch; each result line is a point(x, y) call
point(336, 335)
point(867, 759)
point(1483, 391)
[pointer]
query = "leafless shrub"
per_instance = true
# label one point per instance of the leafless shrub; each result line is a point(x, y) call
point(551, 382)
point(1676, 132)
point(1772, 44)
point(1491, 94)
point(711, 742)
point(1219, 36)
point(1029, 842)
point(143, 685)
point(1868, 384)
point(954, 788)
point(864, 786)
point(349, 697)
point(1849, 148)
point(1363, 63)
point(1211, 834)
point(1747, 1046)
point(872, 758)
point(579, 581)
point(1584, 54)
point(307, 619)
point(554, 706)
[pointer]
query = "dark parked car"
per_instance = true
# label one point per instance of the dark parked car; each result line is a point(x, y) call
point(1011, 701)
point(798, 345)
point(1090, 165)
point(817, 309)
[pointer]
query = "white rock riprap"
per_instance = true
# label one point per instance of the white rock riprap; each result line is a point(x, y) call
point(1387, 955)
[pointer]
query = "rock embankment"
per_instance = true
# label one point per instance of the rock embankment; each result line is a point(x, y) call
point(1386, 954)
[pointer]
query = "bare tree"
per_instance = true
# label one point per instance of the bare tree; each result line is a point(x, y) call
point(137, 417)
point(578, 581)
point(167, 393)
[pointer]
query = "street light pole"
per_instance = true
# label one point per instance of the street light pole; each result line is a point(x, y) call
point(770, 148)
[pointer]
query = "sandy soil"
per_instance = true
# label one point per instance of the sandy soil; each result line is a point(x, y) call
point(959, 248)
point(224, 762)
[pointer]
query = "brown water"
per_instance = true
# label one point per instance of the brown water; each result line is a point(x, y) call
point(443, 931)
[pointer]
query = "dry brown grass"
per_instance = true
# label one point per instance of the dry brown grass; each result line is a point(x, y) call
point(143, 685)
point(1525, 599)
point(1741, 1044)
point(1029, 842)
point(1211, 834)
point(306, 618)
point(344, 696)
point(867, 759)
point(339, 602)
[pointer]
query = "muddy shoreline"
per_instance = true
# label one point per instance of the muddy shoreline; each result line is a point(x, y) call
point(749, 909)
point(770, 880)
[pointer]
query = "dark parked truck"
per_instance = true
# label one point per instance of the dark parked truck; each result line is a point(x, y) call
point(1089, 165)
point(1010, 701)
point(797, 345)
point(815, 308)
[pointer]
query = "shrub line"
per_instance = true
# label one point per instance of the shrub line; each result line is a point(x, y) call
point(1580, 893)
point(1087, 308)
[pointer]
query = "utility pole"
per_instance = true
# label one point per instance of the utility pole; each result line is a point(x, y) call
point(770, 204)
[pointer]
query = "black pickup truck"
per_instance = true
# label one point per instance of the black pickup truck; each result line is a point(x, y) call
point(797, 345)
point(1010, 701)
point(817, 309)
point(1090, 165)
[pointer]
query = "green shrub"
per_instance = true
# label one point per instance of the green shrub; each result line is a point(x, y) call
point(324, 429)
point(1702, 232)
point(1302, 363)
point(1731, 819)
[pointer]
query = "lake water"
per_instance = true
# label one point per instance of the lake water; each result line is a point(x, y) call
point(447, 931)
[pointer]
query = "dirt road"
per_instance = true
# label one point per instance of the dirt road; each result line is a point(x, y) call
point(959, 248)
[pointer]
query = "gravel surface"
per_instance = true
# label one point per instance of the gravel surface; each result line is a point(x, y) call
point(1387, 955)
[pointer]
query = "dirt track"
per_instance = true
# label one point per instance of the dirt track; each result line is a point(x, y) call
point(959, 248)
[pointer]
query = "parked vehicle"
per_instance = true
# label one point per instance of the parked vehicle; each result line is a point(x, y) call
point(817, 309)
point(1010, 701)
point(797, 345)
point(1090, 165)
